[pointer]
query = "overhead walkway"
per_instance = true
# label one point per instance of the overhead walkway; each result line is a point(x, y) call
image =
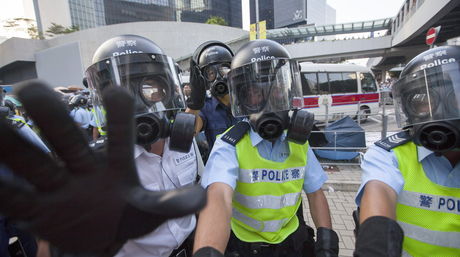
point(327, 30)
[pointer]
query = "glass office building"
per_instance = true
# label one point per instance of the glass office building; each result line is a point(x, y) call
point(92, 13)
point(293, 13)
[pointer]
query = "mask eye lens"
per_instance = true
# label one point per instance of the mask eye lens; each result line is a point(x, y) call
point(210, 73)
point(152, 90)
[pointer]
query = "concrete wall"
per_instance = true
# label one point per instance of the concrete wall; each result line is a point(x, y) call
point(19, 49)
point(177, 39)
point(343, 48)
point(421, 20)
point(60, 65)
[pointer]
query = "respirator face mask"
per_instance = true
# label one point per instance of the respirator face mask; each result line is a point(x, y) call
point(269, 93)
point(216, 76)
point(427, 102)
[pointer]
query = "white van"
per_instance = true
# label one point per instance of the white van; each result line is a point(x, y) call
point(339, 90)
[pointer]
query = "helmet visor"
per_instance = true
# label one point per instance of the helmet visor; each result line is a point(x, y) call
point(264, 87)
point(150, 78)
point(428, 95)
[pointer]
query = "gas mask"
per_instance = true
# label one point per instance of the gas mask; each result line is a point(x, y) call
point(153, 82)
point(150, 127)
point(216, 77)
point(270, 126)
point(427, 102)
point(438, 137)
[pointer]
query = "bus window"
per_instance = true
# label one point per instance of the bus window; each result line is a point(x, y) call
point(368, 83)
point(335, 81)
point(309, 84)
point(323, 83)
point(350, 82)
point(343, 82)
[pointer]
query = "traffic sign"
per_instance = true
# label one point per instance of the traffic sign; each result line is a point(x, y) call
point(431, 35)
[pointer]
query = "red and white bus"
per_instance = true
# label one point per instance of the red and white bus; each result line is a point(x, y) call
point(339, 90)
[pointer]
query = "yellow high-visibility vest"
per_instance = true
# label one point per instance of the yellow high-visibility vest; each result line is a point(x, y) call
point(267, 193)
point(428, 213)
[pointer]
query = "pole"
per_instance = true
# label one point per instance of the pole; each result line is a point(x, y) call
point(359, 112)
point(257, 19)
point(384, 116)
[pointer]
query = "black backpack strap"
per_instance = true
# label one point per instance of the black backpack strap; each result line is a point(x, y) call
point(394, 140)
point(236, 133)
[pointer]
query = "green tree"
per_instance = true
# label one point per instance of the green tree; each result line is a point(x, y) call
point(217, 20)
point(56, 29)
point(33, 32)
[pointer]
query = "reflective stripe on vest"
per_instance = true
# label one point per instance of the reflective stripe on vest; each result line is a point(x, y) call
point(267, 193)
point(262, 226)
point(17, 119)
point(267, 201)
point(102, 132)
point(445, 239)
point(428, 213)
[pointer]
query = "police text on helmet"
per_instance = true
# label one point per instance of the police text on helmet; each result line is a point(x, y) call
point(437, 62)
point(262, 58)
point(128, 51)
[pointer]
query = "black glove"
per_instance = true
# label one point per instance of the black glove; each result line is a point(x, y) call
point(198, 86)
point(379, 236)
point(208, 252)
point(327, 243)
point(79, 203)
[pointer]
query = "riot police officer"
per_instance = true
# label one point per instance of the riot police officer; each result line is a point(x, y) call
point(209, 67)
point(258, 168)
point(411, 181)
point(163, 153)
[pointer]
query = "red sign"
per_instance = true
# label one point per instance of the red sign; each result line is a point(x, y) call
point(431, 35)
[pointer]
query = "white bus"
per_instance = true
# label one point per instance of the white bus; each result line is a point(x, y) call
point(339, 90)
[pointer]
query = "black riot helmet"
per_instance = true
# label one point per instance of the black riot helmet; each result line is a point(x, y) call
point(265, 85)
point(139, 65)
point(213, 60)
point(78, 100)
point(427, 97)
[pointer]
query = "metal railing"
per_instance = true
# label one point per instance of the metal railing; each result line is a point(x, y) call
point(376, 126)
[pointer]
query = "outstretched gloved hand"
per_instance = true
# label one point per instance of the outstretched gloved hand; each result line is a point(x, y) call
point(81, 203)
point(198, 86)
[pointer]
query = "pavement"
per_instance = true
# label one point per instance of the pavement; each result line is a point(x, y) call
point(340, 190)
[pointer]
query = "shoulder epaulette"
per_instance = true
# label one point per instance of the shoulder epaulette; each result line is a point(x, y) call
point(235, 134)
point(394, 140)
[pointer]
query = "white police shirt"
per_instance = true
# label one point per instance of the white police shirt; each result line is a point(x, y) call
point(81, 116)
point(173, 170)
